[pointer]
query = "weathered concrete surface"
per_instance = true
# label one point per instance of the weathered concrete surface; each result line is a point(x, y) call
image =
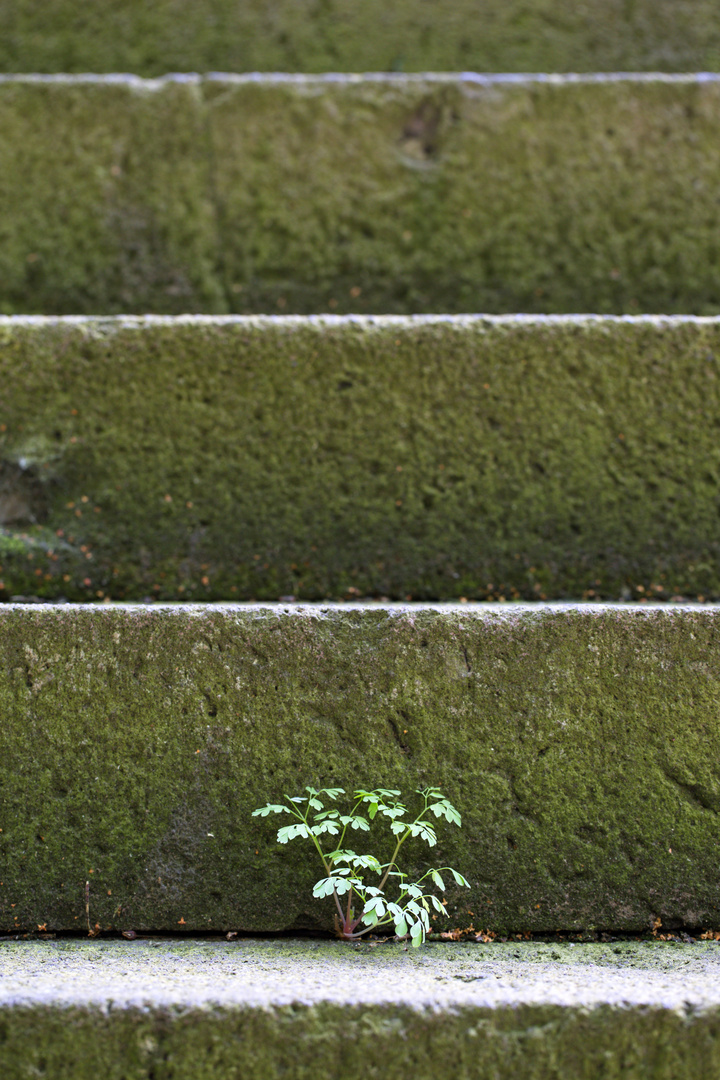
point(580, 745)
point(258, 1009)
point(446, 35)
point(430, 457)
point(105, 198)
point(368, 193)
point(456, 194)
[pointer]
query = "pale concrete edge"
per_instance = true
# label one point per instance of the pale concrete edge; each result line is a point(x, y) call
point(357, 78)
point(266, 974)
point(480, 609)
point(470, 321)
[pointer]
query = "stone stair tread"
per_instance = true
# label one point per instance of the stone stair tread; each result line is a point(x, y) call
point(249, 973)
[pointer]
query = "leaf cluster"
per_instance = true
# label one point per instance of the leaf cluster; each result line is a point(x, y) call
point(347, 872)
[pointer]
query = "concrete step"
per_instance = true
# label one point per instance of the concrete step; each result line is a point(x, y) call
point(580, 745)
point(423, 458)
point(373, 193)
point(496, 35)
point(199, 1009)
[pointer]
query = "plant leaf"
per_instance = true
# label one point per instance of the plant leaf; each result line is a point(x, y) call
point(324, 887)
point(401, 927)
point(366, 862)
point(428, 834)
point(289, 832)
point(271, 808)
point(325, 827)
point(459, 878)
point(341, 853)
point(435, 875)
point(377, 904)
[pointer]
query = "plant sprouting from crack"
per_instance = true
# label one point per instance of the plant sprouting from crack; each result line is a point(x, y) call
point(346, 871)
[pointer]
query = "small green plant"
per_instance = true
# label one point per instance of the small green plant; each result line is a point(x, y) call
point(345, 870)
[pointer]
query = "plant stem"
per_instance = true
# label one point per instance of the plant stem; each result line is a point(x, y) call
point(400, 842)
point(313, 837)
point(338, 905)
point(352, 814)
point(392, 863)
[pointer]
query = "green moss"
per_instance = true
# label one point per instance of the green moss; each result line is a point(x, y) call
point(105, 198)
point(255, 35)
point(325, 1041)
point(580, 748)
point(454, 196)
point(433, 194)
point(259, 459)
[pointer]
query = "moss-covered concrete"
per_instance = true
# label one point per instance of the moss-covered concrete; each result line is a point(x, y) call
point(239, 459)
point(371, 194)
point(106, 198)
point(324, 1042)
point(211, 1011)
point(333, 35)
point(464, 195)
point(581, 748)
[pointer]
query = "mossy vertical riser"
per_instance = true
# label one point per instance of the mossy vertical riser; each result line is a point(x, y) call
point(106, 198)
point(436, 458)
point(291, 193)
point(581, 748)
point(324, 1041)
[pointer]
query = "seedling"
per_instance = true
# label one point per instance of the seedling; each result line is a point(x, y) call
point(346, 871)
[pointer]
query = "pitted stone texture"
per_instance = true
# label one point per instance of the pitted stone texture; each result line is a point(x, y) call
point(427, 457)
point(580, 745)
point(248, 973)
point(380, 192)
